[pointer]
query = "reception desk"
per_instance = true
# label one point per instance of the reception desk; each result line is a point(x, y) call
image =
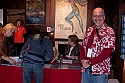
point(53, 73)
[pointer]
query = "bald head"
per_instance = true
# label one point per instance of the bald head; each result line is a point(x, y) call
point(100, 10)
point(98, 17)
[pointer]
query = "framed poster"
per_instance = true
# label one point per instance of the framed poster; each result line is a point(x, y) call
point(70, 18)
point(14, 14)
point(35, 12)
point(122, 53)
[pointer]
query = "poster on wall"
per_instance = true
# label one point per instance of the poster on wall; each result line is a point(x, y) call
point(14, 14)
point(35, 11)
point(70, 18)
point(122, 53)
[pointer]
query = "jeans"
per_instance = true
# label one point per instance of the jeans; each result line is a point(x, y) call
point(32, 69)
point(87, 77)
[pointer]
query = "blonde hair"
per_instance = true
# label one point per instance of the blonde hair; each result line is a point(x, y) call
point(11, 27)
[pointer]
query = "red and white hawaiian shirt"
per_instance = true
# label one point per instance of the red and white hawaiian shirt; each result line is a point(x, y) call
point(107, 35)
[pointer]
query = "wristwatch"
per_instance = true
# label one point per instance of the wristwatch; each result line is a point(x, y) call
point(89, 62)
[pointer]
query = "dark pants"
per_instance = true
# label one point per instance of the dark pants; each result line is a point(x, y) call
point(18, 48)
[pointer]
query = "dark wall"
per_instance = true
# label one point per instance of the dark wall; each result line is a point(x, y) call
point(12, 4)
point(120, 63)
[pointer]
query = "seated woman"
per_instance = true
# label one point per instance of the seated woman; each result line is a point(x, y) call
point(6, 31)
point(72, 51)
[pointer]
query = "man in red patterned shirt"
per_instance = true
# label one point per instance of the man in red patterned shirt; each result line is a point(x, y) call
point(98, 43)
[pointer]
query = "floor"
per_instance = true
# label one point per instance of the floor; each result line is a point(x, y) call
point(124, 72)
point(124, 77)
point(113, 81)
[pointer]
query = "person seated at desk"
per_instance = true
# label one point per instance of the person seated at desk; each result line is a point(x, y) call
point(72, 51)
point(6, 31)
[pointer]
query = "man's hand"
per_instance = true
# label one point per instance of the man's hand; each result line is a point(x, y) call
point(85, 63)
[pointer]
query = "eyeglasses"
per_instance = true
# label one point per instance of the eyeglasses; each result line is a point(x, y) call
point(99, 16)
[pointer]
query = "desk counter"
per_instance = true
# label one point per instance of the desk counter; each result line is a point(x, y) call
point(53, 73)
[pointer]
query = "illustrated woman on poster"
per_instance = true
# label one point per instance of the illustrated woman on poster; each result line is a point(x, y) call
point(75, 12)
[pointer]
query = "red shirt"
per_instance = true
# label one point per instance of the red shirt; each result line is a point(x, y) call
point(101, 51)
point(19, 35)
